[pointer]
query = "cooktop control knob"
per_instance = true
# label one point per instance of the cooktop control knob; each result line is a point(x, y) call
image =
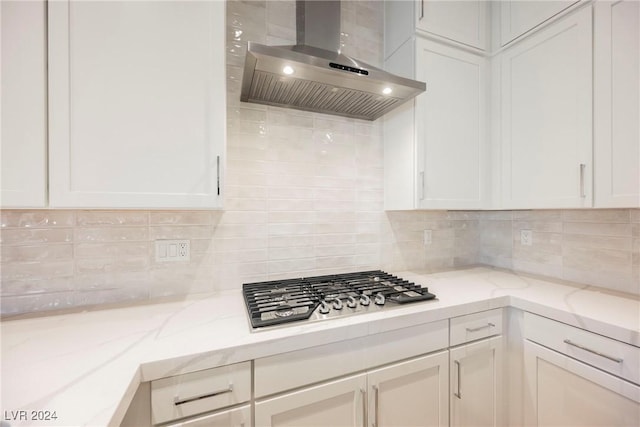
point(379, 300)
point(324, 307)
point(337, 304)
point(351, 302)
point(365, 300)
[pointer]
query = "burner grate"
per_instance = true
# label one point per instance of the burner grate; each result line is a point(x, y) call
point(275, 302)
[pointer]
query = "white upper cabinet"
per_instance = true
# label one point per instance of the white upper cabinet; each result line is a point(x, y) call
point(450, 118)
point(460, 21)
point(517, 16)
point(435, 147)
point(617, 103)
point(23, 154)
point(547, 117)
point(137, 104)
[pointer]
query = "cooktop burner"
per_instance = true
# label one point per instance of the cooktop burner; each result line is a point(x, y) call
point(323, 297)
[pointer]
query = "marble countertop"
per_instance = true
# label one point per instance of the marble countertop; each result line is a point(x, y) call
point(87, 366)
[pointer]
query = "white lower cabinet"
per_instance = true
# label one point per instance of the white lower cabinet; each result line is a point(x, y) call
point(338, 403)
point(574, 377)
point(476, 378)
point(410, 393)
point(562, 391)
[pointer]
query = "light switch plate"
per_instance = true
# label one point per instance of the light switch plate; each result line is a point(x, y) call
point(173, 250)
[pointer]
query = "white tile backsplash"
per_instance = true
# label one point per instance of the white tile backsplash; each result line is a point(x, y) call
point(303, 196)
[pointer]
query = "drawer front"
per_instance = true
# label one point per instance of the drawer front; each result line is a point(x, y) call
point(615, 357)
point(328, 361)
point(238, 417)
point(198, 392)
point(476, 326)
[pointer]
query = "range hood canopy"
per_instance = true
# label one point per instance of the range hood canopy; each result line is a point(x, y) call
point(314, 76)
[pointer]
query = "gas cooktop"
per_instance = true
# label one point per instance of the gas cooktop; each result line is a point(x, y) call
point(323, 297)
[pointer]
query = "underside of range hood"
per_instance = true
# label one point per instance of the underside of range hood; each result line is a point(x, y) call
point(312, 76)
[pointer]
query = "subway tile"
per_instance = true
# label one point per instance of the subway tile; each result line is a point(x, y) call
point(111, 265)
point(41, 302)
point(44, 252)
point(538, 215)
point(111, 218)
point(597, 215)
point(285, 241)
point(540, 226)
point(22, 236)
point(180, 218)
point(291, 252)
point(21, 271)
point(334, 238)
point(181, 232)
point(597, 242)
point(635, 215)
point(36, 219)
point(36, 286)
point(597, 229)
point(111, 234)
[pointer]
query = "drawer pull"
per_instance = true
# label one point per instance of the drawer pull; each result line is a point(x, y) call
point(479, 328)
point(178, 401)
point(606, 356)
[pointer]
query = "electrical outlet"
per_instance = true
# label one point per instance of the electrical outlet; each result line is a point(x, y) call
point(427, 237)
point(526, 237)
point(173, 250)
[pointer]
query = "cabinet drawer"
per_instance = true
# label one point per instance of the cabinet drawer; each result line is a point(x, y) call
point(320, 363)
point(475, 326)
point(615, 357)
point(238, 417)
point(197, 392)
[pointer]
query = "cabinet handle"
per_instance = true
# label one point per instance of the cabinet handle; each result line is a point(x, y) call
point(582, 168)
point(421, 10)
point(364, 407)
point(218, 173)
point(606, 356)
point(177, 401)
point(479, 328)
point(375, 402)
point(458, 394)
point(422, 185)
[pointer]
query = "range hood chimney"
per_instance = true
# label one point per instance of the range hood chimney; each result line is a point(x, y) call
point(314, 76)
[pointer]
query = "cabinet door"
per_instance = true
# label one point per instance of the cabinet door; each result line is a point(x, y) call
point(617, 103)
point(137, 103)
point(24, 136)
point(561, 391)
point(450, 118)
point(460, 21)
point(476, 383)
point(336, 403)
point(238, 417)
point(518, 17)
point(413, 393)
point(547, 117)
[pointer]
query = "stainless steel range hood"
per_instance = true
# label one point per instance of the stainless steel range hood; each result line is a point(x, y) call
point(313, 76)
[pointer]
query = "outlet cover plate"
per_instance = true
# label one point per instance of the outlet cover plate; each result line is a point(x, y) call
point(173, 250)
point(428, 238)
point(526, 237)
